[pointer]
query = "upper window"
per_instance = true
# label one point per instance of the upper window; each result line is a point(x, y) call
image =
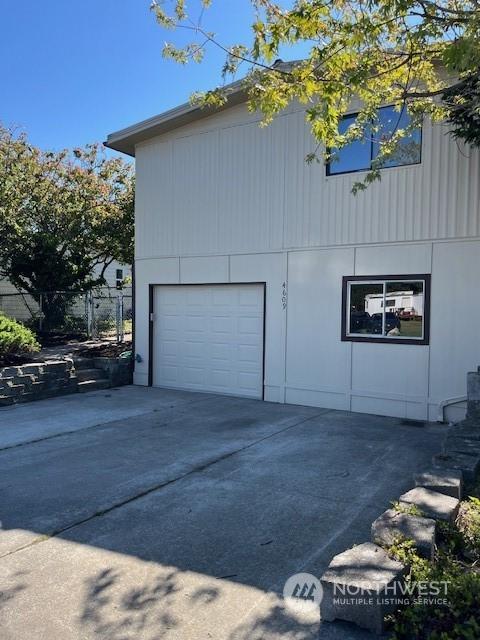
point(386, 308)
point(359, 155)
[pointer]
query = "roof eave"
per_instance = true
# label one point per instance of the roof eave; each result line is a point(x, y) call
point(125, 140)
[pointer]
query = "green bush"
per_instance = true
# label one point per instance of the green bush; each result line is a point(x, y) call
point(468, 523)
point(15, 337)
point(458, 618)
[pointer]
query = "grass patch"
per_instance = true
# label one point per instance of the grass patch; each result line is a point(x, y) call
point(411, 328)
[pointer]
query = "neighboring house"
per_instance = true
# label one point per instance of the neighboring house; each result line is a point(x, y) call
point(252, 267)
point(22, 306)
point(117, 275)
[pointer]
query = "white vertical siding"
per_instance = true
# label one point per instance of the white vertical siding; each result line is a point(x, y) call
point(155, 221)
point(454, 326)
point(305, 360)
point(223, 200)
point(318, 363)
point(226, 185)
point(250, 187)
point(195, 192)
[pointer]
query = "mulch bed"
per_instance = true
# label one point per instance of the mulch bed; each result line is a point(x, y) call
point(58, 339)
point(107, 350)
point(15, 360)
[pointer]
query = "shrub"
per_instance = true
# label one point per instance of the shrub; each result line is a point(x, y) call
point(468, 523)
point(15, 337)
point(457, 619)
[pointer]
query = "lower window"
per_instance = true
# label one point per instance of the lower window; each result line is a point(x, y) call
point(386, 308)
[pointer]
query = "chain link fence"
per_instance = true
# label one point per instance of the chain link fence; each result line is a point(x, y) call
point(100, 314)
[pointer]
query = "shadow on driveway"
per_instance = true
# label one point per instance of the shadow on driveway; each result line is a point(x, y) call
point(184, 520)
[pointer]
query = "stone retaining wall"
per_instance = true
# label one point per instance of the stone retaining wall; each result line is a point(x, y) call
point(117, 370)
point(37, 380)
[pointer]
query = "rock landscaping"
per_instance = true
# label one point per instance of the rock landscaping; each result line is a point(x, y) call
point(431, 503)
point(393, 524)
point(448, 482)
point(405, 541)
point(39, 380)
point(365, 572)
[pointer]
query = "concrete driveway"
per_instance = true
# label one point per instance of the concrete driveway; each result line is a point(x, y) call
point(150, 514)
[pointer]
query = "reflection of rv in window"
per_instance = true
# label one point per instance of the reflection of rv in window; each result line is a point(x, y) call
point(406, 304)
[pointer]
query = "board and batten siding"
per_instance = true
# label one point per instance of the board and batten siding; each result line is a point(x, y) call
point(226, 185)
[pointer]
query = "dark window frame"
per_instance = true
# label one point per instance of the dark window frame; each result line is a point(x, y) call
point(399, 166)
point(426, 277)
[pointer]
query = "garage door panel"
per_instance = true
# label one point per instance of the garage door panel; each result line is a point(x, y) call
point(221, 351)
point(169, 348)
point(248, 381)
point(248, 353)
point(222, 324)
point(249, 325)
point(248, 299)
point(169, 374)
point(209, 338)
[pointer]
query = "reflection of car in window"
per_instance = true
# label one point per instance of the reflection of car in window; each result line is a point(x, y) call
point(391, 322)
point(409, 314)
point(359, 322)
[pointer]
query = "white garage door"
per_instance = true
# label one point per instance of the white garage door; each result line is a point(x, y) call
point(209, 338)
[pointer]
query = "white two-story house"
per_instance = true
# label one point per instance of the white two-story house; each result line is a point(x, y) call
point(253, 267)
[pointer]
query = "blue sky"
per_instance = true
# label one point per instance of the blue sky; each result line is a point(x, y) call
point(72, 72)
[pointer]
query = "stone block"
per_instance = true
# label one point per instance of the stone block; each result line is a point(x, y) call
point(466, 429)
point(37, 387)
point(7, 372)
point(14, 390)
point(118, 370)
point(358, 586)
point(461, 444)
point(392, 525)
point(473, 394)
point(449, 481)
point(25, 378)
point(431, 503)
point(56, 365)
point(467, 464)
point(36, 369)
point(6, 382)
